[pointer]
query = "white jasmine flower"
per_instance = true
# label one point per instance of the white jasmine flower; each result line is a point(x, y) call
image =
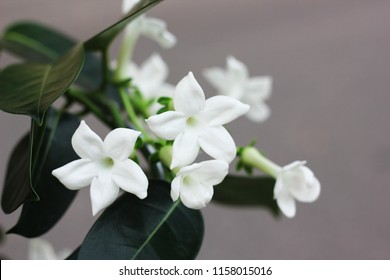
point(153, 28)
point(235, 82)
point(105, 166)
point(197, 123)
point(295, 181)
point(194, 183)
point(40, 249)
point(150, 77)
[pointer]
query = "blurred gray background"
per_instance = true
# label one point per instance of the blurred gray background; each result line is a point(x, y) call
point(330, 63)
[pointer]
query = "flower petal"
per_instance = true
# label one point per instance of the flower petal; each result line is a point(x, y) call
point(131, 70)
point(236, 70)
point(217, 142)
point(103, 192)
point(189, 96)
point(167, 125)
point(86, 143)
point(309, 191)
point(40, 249)
point(154, 70)
point(286, 204)
point(77, 174)
point(130, 178)
point(211, 171)
point(185, 149)
point(220, 110)
point(119, 143)
point(156, 29)
point(166, 90)
point(127, 5)
point(258, 112)
point(175, 187)
point(64, 254)
point(196, 195)
point(216, 77)
point(259, 88)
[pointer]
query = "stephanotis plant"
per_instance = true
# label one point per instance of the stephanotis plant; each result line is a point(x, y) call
point(151, 212)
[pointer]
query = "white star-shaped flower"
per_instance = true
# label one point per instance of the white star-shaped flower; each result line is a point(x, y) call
point(40, 249)
point(150, 77)
point(105, 166)
point(197, 123)
point(194, 183)
point(235, 82)
point(295, 181)
point(153, 28)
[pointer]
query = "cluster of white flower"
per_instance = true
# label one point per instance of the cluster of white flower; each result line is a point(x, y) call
point(193, 124)
point(197, 123)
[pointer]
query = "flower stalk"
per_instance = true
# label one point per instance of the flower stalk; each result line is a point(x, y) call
point(250, 156)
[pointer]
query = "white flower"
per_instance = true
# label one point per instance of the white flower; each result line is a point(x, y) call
point(105, 166)
point(197, 123)
point(153, 28)
point(40, 249)
point(235, 82)
point(295, 181)
point(150, 77)
point(194, 183)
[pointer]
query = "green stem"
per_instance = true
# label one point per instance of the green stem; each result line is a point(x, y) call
point(132, 115)
point(82, 98)
point(113, 108)
point(105, 69)
point(252, 157)
point(125, 52)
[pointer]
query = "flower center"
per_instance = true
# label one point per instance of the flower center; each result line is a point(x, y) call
point(191, 121)
point(107, 162)
point(187, 180)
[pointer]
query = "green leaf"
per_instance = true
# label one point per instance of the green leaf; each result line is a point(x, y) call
point(102, 40)
point(74, 255)
point(17, 182)
point(29, 89)
point(153, 228)
point(35, 42)
point(39, 43)
point(50, 147)
point(247, 191)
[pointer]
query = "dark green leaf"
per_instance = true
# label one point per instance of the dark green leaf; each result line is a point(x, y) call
point(38, 43)
point(29, 89)
point(247, 191)
point(74, 255)
point(51, 148)
point(35, 42)
point(102, 40)
point(153, 228)
point(17, 187)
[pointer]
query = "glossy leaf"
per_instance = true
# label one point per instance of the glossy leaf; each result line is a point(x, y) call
point(39, 43)
point(153, 228)
point(35, 42)
point(17, 187)
point(29, 89)
point(51, 148)
point(247, 191)
point(102, 40)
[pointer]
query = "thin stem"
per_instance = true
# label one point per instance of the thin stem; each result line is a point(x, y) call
point(82, 98)
point(132, 115)
point(130, 38)
point(105, 68)
point(252, 157)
